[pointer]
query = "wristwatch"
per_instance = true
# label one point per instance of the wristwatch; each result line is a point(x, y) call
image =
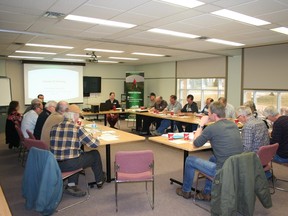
point(200, 126)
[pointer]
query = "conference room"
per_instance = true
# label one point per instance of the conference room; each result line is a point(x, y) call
point(47, 47)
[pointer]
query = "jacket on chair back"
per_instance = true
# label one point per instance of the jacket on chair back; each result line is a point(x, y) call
point(237, 184)
point(42, 182)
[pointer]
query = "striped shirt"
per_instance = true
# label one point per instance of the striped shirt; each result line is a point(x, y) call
point(66, 139)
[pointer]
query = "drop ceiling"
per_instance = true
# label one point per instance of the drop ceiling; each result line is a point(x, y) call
point(23, 21)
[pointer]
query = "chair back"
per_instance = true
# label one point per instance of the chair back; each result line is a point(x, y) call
point(134, 161)
point(29, 143)
point(30, 134)
point(19, 131)
point(267, 152)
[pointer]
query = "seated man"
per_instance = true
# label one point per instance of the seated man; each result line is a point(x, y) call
point(279, 133)
point(173, 106)
point(224, 137)
point(31, 116)
point(113, 104)
point(50, 107)
point(139, 118)
point(190, 107)
point(159, 106)
point(207, 103)
point(254, 132)
point(53, 119)
point(229, 109)
point(66, 139)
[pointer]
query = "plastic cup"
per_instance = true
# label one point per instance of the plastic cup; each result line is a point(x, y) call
point(186, 136)
point(172, 113)
point(236, 121)
point(170, 136)
point(114, 107)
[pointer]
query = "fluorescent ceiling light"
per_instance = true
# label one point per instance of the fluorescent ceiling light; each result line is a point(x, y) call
point(173, 33)
point(124, 58)
point(99, 21)
point(240, 17)
point(104, 50)
point(33, 52)
point(213, 40)
point(25, 57)
point(282, 30)
point(147, 54)
point(49, 46)
point(185, 3)
point(67, 59)
point(103, 61)
point(81, 55)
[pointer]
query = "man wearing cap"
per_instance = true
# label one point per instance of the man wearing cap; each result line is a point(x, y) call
point(66, 139)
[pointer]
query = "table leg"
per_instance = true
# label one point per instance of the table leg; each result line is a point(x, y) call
point(186, 153)
point(108, 163)
point(105, 120)
point(108, 166)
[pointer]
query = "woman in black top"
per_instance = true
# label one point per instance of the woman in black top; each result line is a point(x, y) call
point(14, 117)
point(113, 104)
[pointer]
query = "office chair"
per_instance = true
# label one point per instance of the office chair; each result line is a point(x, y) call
point(134, 166)
point(266, 154)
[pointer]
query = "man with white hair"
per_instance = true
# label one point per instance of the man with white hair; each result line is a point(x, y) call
point(66, 139)
point(30, 117)
point(279, 133)
point(254, 132)
point(53, 119)
point(50, 107)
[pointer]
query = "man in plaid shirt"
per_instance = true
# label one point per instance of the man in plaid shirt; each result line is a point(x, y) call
point(66, 140)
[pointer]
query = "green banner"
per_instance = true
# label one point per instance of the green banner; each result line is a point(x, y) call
point(134, 89)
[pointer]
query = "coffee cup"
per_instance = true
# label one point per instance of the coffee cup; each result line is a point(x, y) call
point(170, 136)
point(186, 136)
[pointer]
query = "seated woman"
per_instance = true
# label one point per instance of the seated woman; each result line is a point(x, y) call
point(113, 104)
point(14, 117)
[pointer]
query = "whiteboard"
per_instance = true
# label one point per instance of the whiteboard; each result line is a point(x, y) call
point(5, 89)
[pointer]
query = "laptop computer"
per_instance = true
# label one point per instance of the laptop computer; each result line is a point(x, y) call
point(104, 107)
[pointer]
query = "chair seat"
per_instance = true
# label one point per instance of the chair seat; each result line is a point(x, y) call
point(70, 173)
point(143, 176)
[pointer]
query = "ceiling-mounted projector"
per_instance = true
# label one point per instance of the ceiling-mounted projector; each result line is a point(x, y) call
point(93, 57)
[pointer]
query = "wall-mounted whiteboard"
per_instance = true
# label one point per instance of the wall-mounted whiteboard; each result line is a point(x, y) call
point(5, 88)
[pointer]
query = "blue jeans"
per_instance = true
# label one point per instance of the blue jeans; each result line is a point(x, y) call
point(194, 163)
point(279, 159)
point(163, 126)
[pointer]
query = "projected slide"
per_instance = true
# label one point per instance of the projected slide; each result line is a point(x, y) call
point(55, 82)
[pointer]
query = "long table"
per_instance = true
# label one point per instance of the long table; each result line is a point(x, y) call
point(122, 137)
point(104, 113)
point(193, 119)
point(186, 146)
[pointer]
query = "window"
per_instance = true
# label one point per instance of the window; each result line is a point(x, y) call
point(263, 98)
point(200, 89)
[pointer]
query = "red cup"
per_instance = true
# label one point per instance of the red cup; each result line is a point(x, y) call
point(114, 107)
point(170, 136)
point(186, 136)
point(172, 113)
point(236, 121)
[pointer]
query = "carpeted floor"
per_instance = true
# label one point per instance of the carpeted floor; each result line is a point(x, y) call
point(132, 197)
